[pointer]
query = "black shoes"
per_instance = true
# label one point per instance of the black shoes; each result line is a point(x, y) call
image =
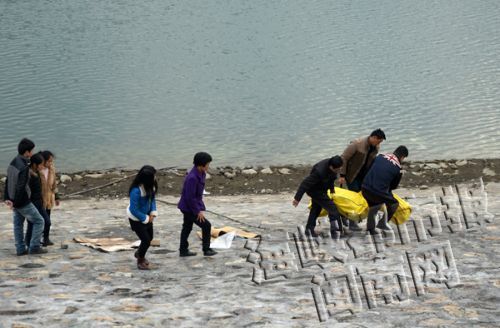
point(186, 253)
point(38, 251)
point(25, 252)
point(47, 242)
point(383, 225)
point(209, 252)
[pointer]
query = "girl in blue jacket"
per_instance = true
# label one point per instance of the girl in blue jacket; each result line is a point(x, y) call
point(142, 211)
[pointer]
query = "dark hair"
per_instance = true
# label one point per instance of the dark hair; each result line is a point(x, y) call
point(25, 145)
point(401, 151)
point(202, 159)
point(378, 133)
point(335, 162)
point(47, 154)
point(36, 159)
point(146, 177)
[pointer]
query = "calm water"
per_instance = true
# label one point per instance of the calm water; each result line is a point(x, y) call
point(124, 83)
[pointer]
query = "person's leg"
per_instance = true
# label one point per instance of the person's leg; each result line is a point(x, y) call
point(29, 233)
point(313, 216)
point(144, 235)
point(391, 205)
point(18, 223)
point(374, 203)
point(32, 215)
point(372, 212)
point(333, 214)
point(46, 229)
point(141, 231)
point(206, 228)
point(187, 226)
point(355, 186)
point(150, 232)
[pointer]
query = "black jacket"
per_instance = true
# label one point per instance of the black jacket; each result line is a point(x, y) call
point(318, 181)
point(17, 189)
point(35, 185)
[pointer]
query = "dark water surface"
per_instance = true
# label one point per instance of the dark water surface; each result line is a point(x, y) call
point(123, 83)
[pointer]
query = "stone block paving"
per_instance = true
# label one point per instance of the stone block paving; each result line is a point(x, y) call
point(439, 269)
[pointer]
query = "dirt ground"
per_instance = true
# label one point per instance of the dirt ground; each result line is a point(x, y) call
point(114, 183)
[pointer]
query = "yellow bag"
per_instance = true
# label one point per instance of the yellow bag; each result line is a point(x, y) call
point(350, 204)
point(353, 206)
point(403, 212)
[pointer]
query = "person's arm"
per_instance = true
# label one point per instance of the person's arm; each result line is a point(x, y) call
point(307, 184)
point(6, 199)
point(346, 157)
point(190, 194)
point(135, 196)
point(53, 187)
point(395, 181)
point(21, 195)
point(5, 196)
point(332, 187)
point(153, 212)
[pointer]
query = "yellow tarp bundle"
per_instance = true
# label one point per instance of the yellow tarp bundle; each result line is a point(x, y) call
point(353, 206)
point(403, 212)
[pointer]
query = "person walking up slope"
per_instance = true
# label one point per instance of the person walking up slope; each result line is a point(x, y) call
point(142, 211)
point(192, 206)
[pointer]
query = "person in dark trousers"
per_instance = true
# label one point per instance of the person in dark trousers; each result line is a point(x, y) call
point(358, 157)
point(142, 211)
point(35, 184)
point(320, 180)
point(382, 178)
point(192, 206)
point(49, 191)
point(17, 196)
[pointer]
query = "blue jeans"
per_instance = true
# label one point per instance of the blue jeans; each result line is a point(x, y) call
point(30, 213)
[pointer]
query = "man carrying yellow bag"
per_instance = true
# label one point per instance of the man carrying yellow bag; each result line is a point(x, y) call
point(316, 185)
point(383, 177)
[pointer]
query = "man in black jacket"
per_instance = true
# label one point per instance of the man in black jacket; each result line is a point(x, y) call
point(17, 196)
point(320, 180)
point(382, 178)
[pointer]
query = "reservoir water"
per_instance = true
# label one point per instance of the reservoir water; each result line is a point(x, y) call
point(125, 83)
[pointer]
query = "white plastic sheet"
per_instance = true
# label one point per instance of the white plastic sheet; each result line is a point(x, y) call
point(224, 241)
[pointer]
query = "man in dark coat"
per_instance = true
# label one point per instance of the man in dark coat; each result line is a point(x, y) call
point(320, 180)
point(17, 196)
point(382, 178)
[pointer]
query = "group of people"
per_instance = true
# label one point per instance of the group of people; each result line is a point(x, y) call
point(359, 169)
point(31, 192)
point(142, 211)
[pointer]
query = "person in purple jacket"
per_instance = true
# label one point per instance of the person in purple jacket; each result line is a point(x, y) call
point(192, 206)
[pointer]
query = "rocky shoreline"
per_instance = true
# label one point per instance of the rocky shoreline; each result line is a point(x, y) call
point(441, 272)
point(114, 183)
